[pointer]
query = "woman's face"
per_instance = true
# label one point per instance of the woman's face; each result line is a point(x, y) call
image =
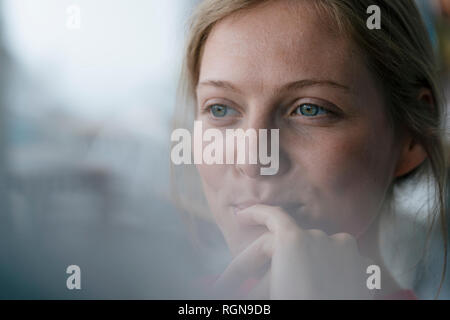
point(282, 66)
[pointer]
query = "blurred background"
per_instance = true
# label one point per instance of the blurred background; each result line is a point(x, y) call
point(87, 91)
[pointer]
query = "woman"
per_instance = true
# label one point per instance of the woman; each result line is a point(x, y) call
point(358, 112)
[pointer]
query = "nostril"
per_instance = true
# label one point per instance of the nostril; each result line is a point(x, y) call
point(250, 170)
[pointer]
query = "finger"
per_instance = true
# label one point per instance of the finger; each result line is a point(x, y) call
point(245, 265)
point(274, 218)
point(346, 240)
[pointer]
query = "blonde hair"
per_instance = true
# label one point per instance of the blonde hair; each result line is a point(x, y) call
point(399, 55)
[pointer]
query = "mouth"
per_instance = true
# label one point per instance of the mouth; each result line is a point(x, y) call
point(295, 210)
point(245, 205)
point(290, 208)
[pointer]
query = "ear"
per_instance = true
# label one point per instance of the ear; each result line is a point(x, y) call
point(411, 156)
point(412, 152)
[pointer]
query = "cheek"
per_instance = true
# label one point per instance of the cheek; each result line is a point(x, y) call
point(357, 161)
point(348, 173)
point(213, 178)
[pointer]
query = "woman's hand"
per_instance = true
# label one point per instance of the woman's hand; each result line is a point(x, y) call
point(304, 264)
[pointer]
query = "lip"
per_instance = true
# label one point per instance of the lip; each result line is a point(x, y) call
point(243, 205)
point(246, 204)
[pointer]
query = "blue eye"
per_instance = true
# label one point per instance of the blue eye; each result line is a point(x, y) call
point(220, 111)
point(309, 110)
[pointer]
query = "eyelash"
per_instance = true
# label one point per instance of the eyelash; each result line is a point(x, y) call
point(319, 109)
point(208, 109)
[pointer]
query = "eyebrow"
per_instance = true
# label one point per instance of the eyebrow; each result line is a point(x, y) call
point(295, 85)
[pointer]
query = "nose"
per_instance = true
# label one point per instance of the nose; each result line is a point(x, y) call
point(250, 170)
point(248, 164)
point(255, 141)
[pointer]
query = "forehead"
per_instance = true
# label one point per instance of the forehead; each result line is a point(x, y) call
point(279, 41)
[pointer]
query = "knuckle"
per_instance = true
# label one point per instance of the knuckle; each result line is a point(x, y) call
point(278, 209)
point(343, 237)
point(291, 234)
point(317, 234)
point(346, 240)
